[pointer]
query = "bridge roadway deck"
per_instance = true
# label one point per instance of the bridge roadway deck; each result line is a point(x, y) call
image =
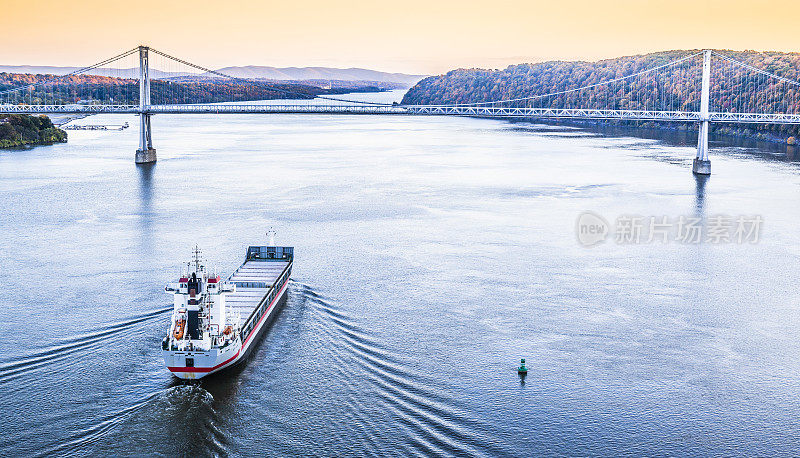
point(487, 111)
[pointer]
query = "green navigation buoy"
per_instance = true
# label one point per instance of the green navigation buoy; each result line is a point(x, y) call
point(522, 369)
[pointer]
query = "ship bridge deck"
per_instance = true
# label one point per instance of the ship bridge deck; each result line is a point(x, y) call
point(253, 281)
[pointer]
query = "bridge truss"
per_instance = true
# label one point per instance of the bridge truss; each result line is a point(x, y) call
point(430, 110)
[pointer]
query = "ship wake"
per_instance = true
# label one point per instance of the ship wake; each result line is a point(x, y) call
point(61, 352)
point(437, 423)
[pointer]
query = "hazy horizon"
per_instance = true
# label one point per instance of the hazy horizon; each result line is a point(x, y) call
point(412, 37)
point(4, 66)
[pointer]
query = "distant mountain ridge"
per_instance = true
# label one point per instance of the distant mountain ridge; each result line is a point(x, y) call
point(320, 73)
point(250, 71)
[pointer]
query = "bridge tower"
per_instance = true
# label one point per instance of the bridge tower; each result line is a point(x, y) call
point(146, 153)
point(701, 164)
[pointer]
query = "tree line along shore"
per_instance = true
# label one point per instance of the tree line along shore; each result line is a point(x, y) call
point(464, 86)
point(26, 130)
point(45, 89)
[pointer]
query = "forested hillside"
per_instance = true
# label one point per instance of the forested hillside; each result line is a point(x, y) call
point(676, 88)
point(103, 89)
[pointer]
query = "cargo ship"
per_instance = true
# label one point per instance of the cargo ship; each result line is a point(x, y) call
point(215, 323)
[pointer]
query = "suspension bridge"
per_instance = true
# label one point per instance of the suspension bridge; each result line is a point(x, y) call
point(145, 82)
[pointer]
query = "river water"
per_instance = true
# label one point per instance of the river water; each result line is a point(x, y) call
point(432, 254)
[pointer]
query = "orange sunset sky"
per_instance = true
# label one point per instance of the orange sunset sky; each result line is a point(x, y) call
point(407, 36)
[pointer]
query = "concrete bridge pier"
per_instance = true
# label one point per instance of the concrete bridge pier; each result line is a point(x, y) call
point(701, 164)
point(146, 153)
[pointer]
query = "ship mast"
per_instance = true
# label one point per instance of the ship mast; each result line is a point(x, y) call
point(196, 259)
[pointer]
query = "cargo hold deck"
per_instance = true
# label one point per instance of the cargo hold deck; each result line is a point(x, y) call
point(253, 281)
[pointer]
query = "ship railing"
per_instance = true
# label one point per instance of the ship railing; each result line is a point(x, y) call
point(172, 287)
point(251, 284)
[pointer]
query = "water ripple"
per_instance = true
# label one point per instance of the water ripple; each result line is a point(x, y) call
point(15, 367)
point(439, 426)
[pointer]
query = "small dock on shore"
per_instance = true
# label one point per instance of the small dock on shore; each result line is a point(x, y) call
point(97, 127)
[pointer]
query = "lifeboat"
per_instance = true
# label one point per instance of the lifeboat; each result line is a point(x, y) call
point(180, 327)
